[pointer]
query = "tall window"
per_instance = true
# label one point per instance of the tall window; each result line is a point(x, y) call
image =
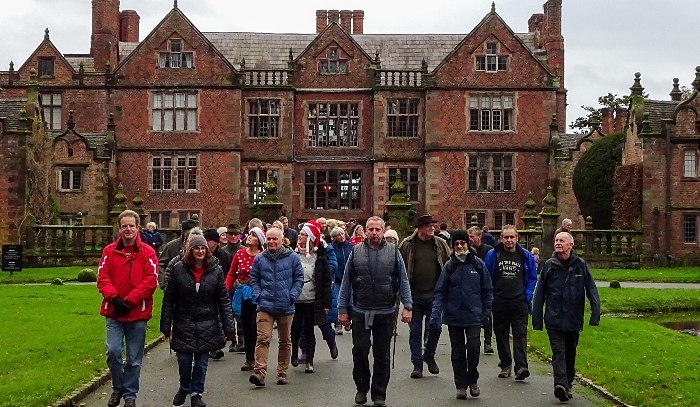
point(409, 177)
point(690, 229)
point(174, 172)
point(402, 117)
point(174, 111)
point(46, 65)
point(335, 189)
point(690, 164)
point(333, 124)
point(51, 104)
point(161, 218)
point(491, 61)
point(503, 218)
point(175, 57)
point(264, 118)
point(256, 184)
point(480, 219)
point(333, 64)
point(491, 113)
point(70, 179)
point(491, 172)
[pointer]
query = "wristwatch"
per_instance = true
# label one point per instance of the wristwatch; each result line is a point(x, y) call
point(408, 308)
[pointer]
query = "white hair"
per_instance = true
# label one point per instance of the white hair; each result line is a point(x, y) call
point(566, 221)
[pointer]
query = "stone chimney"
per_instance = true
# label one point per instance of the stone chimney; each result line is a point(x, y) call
point(620, 119)
point(321, 20)
point(552, 40)
point(104, 40)
point(535, 23)
point(607, 123)
point(129, 26)
point(346, 20)
point(358, 21)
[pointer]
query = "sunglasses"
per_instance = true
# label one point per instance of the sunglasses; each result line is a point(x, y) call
point(461, 243)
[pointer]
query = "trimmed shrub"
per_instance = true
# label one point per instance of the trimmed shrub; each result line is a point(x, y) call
point(615, 284)
point(57, 281)
point(87, 276)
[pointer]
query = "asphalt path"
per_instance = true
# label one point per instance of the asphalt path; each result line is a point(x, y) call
point(332, 384)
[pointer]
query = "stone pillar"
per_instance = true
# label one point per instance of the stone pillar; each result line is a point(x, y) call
point(529, 217)
point(550, 217)
point(398, 207)
point(270, 207)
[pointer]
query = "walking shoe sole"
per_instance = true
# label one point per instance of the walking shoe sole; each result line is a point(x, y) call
point(524, 374)
point(361, 399)
point(257, 382)
point(560, 393)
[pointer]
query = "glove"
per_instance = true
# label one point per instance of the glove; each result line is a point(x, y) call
point(166, 334)
point(485, 320)
point(434, 324)
point(230, 336)
point(121, 307)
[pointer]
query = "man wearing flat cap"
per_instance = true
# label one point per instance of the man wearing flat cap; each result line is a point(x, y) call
point(174, 248)
point(233, 233)
point(424, 255)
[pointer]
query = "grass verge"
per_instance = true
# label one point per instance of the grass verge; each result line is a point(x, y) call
point(639, 361)
point(51, 341)
point(42, 275)
point(655, 275)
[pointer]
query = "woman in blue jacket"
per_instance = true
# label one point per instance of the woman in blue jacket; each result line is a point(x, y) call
point(463, 297)
point(342, 249)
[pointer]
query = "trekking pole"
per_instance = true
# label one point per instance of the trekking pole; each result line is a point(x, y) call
point(393, 352)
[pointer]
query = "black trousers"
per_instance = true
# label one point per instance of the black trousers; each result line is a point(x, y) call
point(509, 317)
point(250, 329)
point(381, 331)
point(488, 331)
point(465, 355)
point(563, 346)
point(303, 323)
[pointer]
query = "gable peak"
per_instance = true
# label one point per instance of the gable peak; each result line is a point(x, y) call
point(493, 7)
point(46, 34)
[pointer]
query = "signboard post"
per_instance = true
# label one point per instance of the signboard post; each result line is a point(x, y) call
point(12, 257)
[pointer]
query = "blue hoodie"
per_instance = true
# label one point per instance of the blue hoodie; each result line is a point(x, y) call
point(530, 267)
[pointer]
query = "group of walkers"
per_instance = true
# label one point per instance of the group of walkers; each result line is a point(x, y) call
point(217, 289)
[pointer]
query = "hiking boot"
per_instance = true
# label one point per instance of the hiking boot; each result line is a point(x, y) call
point(338, 329)
point(239, 347)
point(257, 380)
point(333, 347)
point(461, 394)
point(488, 349)
point(294, 361)
point(348, 327)
point(196, 401)
point(432, 365)
point(360, 398)
point(560, 393)
point(114, 399)
point(216, 354)
point(180, 397)
point(379, 402)
point(282, 379)
point(522, 374)
point(129, 402)
point(232, 347)
point(506, 371)
point(417, 372)
point(247, 366)
point(474, 390)
point(309, 367)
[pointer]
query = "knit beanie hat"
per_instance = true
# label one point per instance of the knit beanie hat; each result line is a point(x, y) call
point(211, 234)
point(391, 233)
point(222, 230)
point(313, 230)
point(459, 235)
point(260, 235)
point(196, 238)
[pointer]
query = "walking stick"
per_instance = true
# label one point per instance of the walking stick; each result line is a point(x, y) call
point(393, 352)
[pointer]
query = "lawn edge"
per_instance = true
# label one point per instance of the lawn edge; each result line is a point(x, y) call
point(73, 399)
point(605, 393)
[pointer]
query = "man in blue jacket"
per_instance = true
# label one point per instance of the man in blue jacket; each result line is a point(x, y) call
point(514, 274)
point(564, 284)
point(276, 279)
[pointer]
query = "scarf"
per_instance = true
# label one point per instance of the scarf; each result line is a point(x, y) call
point(462, 257)
point(278, 253)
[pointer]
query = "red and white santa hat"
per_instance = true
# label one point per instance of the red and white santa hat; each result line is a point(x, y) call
point(313, 230)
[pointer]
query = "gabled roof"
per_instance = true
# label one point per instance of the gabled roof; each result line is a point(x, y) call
point(9, 111)
point(59, 55)
point(329, 27)
point(76, 59)
point(659, 110)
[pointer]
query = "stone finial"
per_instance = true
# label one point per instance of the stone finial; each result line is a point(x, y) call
point(554, 139)
point(137, 202)
point(270, 188)
point(637, 89)
point(493, 7)
point(12, 67)
point(696, 82)
point(175, 4)
point(46, 34)
point(530, 205)
point(646, 123)
point(376, 57)
point(474, 220)
point(676, 93)
point(595, 121)
point(398, 189)
point(291, 55)
point(195, 218)
point(549, 202)
point(589, 223)
point(81, 68)
point(71, 120)
point(119, 200)
point(424, 65)
point(242, 64)
point(79, 219)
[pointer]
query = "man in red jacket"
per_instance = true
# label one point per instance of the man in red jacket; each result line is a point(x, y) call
point(126, 277)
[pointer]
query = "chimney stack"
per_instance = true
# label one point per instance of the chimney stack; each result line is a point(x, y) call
point(321, 20)
point(606, 121)
point(620, 118)
point(358, 21)
point(104, 40)
point(333, 17)
point(129, 22)
point(346, 20)
point(535, 23)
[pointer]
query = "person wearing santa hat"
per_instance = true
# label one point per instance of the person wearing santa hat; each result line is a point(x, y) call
point(315, 300)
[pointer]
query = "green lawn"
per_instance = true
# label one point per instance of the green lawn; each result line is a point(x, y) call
point(657, 275)
point(637, 360)
point(51, 341)
point(42, 275)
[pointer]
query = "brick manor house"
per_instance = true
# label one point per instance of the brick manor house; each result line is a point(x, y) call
point(194, 120)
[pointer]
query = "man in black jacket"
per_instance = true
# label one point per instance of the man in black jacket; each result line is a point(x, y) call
point(564, 281)
point(480, 250)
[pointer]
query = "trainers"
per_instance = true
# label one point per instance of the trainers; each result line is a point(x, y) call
point(338, 329)
point(114, 399)
point(522, 374)
point(417, 372)
point(309, 368)
point(129, 402)
point(239, 348)
point(180, 397)
point(432, 365)
point(488, 349)
point(360, 397)
point(474, 390)
point(282, 379)
point(506, 371)
point(232, 347)
point(461, 394)
point(216, 354)
point(379, 402)
point(257, 380)
point(196, 401)
point(560, 393)
point(247, 366)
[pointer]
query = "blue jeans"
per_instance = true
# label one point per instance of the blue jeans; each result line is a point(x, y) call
point(192, 375)
point(125, 378)
point(422, 309)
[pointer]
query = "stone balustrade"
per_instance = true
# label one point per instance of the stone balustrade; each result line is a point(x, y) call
point(266, 77)
point(399, 78)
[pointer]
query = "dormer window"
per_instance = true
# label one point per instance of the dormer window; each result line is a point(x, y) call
point(46, 67)
point(333, 65)
point(491, 61)
point(176, 57)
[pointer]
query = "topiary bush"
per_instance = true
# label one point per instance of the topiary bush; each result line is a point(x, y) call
point(87, 276)
point(615, 284)
point(593, 179)
point(57, 281)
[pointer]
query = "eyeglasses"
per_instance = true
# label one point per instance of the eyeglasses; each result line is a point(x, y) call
point(461, 243)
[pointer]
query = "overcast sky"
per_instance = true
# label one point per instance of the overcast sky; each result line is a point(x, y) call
point(606, 41)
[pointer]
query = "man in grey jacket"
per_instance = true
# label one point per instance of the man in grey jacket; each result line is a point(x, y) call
point(375, 275)
point(173, 249)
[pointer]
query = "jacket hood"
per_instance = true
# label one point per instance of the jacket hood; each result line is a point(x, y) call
point(574, 258)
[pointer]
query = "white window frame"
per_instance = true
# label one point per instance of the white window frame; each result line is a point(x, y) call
point(71, 173)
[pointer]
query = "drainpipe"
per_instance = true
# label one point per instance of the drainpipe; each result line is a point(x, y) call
point(667, 153)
